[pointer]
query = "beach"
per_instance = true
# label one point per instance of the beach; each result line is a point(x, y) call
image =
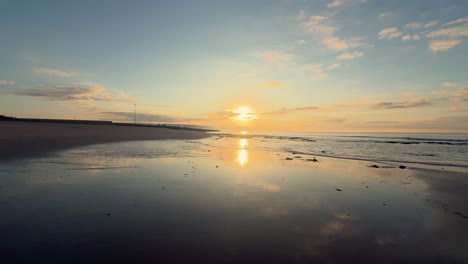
point(23, 139)
point(229, 199)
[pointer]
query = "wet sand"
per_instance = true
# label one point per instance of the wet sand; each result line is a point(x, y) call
point(225, 201)
point(26, 139)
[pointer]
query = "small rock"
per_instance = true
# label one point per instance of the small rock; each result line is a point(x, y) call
point(402, 167)
point(457, 213)
point(108, 214)
point(313, 160)
point(217, 166)
point(288, 158)
point(297, 157)
point(163, 188)
point(339, 190)
point(374, 166)
point(384, 204)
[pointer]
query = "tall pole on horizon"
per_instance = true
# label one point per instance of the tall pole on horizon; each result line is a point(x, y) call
point(134, 114)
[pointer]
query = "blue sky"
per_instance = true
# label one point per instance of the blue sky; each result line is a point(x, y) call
point(324, 65)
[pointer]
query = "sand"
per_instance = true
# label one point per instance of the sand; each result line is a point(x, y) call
point(222, 200)
point(26, 139)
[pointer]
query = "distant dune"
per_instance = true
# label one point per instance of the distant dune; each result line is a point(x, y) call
point(25, 139)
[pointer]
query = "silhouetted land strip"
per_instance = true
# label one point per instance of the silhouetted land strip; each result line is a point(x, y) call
point(102, 122)
point(21, 138)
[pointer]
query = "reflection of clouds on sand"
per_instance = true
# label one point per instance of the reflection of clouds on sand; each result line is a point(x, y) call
point(332, 228)
point(272, 188)
point(272, 211)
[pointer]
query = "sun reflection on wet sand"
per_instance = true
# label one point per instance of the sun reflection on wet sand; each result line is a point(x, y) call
point(242, 154)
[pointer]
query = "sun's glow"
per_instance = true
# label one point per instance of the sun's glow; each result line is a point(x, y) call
point(244, 113)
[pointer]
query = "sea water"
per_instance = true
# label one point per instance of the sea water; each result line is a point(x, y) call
point(444, 149)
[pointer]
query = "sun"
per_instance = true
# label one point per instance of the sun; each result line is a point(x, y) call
point(244, 113)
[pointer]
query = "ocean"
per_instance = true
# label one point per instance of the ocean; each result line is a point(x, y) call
point(444, 149)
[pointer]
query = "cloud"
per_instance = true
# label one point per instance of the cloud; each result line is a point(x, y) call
point(431, 24)
point(272, 84)
point(458, 21)
point(52, 72)
point(300, 41)
point(414, 25)
point(5, 82)
point(403, 104)
point(339, 3)
point(334, 66)
point(72, 93)
point(408, 37)
point(325, 33)
point(444, 45)
point(447, 38)
point(290, 110)
point(449, 84)
point(315, 25)
point(457, 95)
point(350, 55)
point(390, 33)
point(453, 32)
point(386, 14)
point(335, 43)
point(336, 120)
point(275, 57)
point(309, 68)
point(335, 3)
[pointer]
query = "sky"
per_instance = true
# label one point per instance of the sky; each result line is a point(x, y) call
point(277, 65)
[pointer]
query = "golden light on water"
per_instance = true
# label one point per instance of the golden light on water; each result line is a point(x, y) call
point(242, 154)
point(243, 143)
point(242, 157)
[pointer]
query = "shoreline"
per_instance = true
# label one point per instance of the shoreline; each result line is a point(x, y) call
point(29, 139)
point(234, 195)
